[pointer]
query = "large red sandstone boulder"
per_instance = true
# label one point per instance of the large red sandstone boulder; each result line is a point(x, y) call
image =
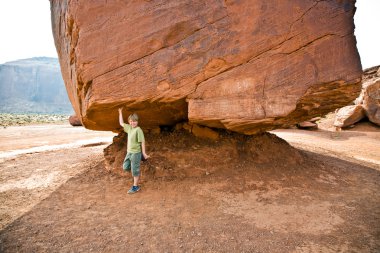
point(247, 66)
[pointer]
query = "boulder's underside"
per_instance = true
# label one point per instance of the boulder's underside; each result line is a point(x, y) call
point(247, 66)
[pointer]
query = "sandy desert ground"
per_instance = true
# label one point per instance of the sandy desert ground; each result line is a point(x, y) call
point(56, 196)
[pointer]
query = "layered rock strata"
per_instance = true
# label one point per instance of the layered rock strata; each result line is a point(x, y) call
point(247, 66)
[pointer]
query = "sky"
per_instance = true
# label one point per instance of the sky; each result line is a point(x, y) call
point(25, 27)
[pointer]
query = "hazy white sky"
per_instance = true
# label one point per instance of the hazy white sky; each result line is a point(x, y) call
point(367, 22)
point(26, 30)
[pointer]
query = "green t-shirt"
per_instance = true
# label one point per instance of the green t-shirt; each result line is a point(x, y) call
point(135, 137)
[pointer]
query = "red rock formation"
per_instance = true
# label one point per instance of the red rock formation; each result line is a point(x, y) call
point(75, 121)
point(247, 66)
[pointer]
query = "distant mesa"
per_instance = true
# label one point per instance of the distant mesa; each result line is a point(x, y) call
point(33, 85)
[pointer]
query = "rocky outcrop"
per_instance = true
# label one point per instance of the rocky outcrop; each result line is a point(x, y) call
point(33, 85)
point(349, 115)
point(310, 124)
point(247, 66)
point(371, 100)
point(75, 121)
point(366, 105)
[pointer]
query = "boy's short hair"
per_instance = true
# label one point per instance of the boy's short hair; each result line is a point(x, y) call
point(133, 117)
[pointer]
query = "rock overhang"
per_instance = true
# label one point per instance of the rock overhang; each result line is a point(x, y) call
point(247, 66)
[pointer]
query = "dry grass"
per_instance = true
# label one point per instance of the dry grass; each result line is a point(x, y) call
point(8, 119)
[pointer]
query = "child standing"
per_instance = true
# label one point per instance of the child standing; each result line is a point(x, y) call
point(135, 148)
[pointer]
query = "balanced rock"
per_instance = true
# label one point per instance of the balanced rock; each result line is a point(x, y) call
point(247, 66)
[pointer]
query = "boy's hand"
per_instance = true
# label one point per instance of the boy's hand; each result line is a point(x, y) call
point(120, 109)
point(146, 156)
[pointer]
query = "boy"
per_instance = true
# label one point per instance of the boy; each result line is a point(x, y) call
point(135, 148)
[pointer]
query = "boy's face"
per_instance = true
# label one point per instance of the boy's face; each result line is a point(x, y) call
point(133, 123)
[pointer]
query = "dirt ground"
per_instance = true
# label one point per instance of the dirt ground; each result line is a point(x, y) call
point(56, 196)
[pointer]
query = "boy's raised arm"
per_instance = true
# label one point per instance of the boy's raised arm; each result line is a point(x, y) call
point(121, 120)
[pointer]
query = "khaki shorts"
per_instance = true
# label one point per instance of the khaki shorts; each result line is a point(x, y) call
point(132, 160)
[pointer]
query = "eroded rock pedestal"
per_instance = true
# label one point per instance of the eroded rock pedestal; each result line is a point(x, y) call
point(247, 66)
point(179, 155)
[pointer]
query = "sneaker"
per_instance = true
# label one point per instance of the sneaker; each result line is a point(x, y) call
point(134, 189)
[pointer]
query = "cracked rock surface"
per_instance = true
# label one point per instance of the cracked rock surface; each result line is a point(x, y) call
point(247, 66)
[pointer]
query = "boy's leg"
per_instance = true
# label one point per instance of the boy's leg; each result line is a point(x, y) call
point(135, 164)
point(136, 181)
point(127, 162)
